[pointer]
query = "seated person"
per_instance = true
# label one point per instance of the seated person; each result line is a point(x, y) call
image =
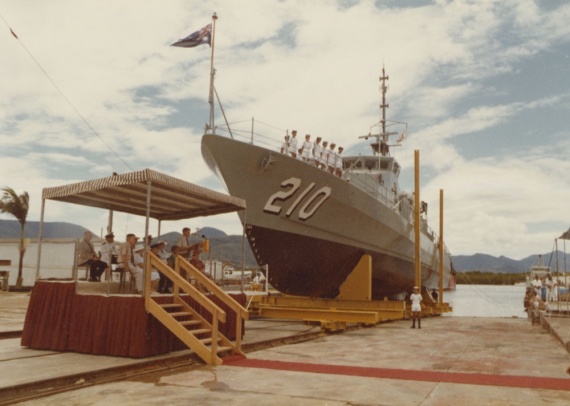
point(87, 256)
point(165, 284)
point(259, 281)
point(138, 271)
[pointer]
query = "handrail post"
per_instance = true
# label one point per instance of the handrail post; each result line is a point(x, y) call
point(214, 345)
point(238, 330)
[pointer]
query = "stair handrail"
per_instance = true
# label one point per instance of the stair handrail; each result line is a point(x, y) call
point(213, 287)
point(241, 312)
point(152, 261)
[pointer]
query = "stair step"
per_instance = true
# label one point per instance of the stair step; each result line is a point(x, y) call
point(190, 322)
point(201, 331)
point(180, 314)
point(208, 340)
point(223, 349)
point(170, 305)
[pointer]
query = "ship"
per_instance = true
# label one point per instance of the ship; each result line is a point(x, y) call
point(311, 227)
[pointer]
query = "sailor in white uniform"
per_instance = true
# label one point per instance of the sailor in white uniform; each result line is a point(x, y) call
point(324, 155)
point(339, 162)
point(285, 146)
point(293, 144)
point(331, 159)
point(305, 150)
point(317, 150)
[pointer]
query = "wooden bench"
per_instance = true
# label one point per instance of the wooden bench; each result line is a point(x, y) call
point(4, 275)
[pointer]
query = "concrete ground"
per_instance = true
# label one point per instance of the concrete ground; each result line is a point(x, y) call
point(450, 361)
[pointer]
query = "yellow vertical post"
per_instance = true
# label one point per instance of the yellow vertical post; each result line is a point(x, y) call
point(417, 226)
point(441, 258)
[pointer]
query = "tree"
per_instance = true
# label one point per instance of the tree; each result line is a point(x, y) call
point(18, 207)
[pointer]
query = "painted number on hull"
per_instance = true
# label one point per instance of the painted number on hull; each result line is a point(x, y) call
point(309, 207)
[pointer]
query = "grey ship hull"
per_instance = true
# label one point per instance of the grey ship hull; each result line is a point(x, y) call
point(312, 228)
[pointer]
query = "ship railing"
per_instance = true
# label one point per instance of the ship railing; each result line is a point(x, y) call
point(369, 184)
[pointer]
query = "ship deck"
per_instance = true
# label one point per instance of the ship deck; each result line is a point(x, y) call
point(450, 360)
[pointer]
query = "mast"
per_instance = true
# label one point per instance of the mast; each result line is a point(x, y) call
point(384, 105)
point(212, 73)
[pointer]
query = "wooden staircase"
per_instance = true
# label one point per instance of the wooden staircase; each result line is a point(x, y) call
point(183, 321)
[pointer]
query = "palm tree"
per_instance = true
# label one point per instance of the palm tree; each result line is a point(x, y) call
point(18, 207)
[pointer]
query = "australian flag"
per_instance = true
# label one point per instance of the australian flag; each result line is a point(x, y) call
point(204, 36)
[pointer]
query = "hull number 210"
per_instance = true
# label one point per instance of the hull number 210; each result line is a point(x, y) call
point(309, 207)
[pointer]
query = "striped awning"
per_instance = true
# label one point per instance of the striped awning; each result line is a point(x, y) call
point(169, 198)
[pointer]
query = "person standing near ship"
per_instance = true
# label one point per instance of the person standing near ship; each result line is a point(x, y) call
point(305, 150)
point(324, 155)
point(416, 299)
point(536, 284)
point(293, 144)
point(339, 162)
point(285, 146)
point(331, 159)
point(317, 150)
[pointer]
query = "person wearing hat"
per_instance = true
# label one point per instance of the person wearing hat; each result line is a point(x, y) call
point(109, 251)
point(324, 155)
point(338, 170)
point(138, 271)
point(293, 144)
point(317, 151)
point(305, 151)
point(331, 158)
point(416, 299)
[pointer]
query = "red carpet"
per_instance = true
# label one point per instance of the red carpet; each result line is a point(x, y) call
point(515, 381)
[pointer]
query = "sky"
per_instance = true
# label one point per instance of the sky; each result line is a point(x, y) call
point(92, 87)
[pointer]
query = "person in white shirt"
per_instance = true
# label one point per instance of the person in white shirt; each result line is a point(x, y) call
point(305, 150)
point(285, 146)
point(339, 162)
point(324, 155)
point(110, 251)
point(416, 299)
point(317, 151)
point(537, 285)
point(331, 159)
point(293, 144)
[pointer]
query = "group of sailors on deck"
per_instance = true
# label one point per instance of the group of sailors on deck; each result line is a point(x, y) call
point(320, 155)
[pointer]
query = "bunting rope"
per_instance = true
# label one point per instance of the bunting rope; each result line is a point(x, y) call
point(64, 96)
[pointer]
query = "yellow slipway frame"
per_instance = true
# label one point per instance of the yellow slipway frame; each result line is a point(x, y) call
point(354, 304)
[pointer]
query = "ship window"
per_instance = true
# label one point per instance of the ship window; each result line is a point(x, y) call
point(358, 164)
point(346, 163)
point(371, 164)
point(385, 164)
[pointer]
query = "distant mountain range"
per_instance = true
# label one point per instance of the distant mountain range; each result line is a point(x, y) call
point(223, 247)
point(229, 247)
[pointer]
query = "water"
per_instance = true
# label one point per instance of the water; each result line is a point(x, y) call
point(486, 301)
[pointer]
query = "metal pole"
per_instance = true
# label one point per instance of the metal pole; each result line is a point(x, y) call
point(40, 238)
point(441, 258)
point(418, 262)
point(243, 253)
point(146, 227)
point(211, 97)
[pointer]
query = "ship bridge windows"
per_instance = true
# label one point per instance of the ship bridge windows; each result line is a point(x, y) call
point(371, 164)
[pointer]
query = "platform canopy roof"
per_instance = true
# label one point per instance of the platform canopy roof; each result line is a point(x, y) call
point(169, 198)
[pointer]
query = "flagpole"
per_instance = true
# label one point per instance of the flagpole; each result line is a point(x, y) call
point(212, 72)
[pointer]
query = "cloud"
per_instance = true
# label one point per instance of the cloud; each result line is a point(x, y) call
point(110, 94)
